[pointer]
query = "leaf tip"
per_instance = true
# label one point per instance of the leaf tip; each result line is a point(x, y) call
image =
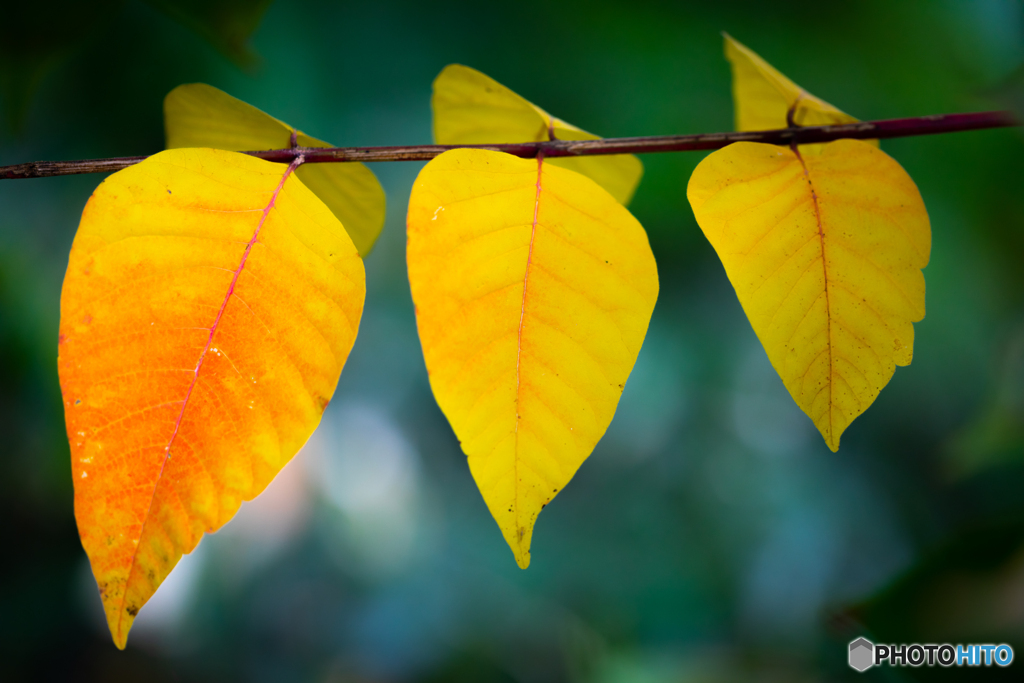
point(522, 557)
point(519, 541)
point(831, 436)
point(518, 535)
point(119, 626)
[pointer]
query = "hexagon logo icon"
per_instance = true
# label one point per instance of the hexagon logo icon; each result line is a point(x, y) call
point(862, 654)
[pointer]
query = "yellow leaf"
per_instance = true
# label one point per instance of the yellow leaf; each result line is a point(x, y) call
point(533, 289)
point(471, 108)
point(209, 305)
point(762, 97)
point(199, 115)
point(825, 253)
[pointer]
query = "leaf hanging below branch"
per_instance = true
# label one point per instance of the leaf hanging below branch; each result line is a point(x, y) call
point(209, 305)
point(825, 253)
point(533, 289)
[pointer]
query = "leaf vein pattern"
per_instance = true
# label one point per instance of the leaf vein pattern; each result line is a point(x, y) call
point(250, 273)
point(810, 365)
point(165, 236)
point(752, 208)
point(578, 345)
point(568, 386)
point(785, 299)
point(134, 373)
point(775, 224)
point(105, 342)
point(452, 331)
point(596, 259)
point(286, 226)
point(219, 180)
point(853, 393)
point(871, 308)
point(850, 332)
point(490, 233)
point(303, 313)
point(104, 427)
point(489, 194)
point(880, 211)
point(214, 481)
point(480, 351)
point(882, 271)
point(572, 288)
point(782, 265)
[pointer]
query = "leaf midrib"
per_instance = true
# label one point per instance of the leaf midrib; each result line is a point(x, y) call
point(184, 404)
point(519, 350)
point(828, 306)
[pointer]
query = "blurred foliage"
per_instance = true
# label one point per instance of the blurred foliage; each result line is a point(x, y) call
point(711, 536)
point(227, 24)
point(35, 38)
point(1010, 93)
point(996, 436)
point(38, 37)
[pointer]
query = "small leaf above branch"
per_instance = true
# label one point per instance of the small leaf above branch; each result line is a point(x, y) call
point(199, 115)
point(765, 99)
point(472, 108)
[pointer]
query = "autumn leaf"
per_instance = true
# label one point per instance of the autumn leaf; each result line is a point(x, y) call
point(763, 97)
point(533, 289)
point(199, 115)
point(471, 108)
point(209, 305)
point(825, 253)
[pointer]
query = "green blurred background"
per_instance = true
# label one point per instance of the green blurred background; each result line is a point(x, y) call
point(711, 536)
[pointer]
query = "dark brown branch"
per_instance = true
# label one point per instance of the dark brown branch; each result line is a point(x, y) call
point(864, 130)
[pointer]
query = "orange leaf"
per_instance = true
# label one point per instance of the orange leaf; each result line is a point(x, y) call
point(209, 305)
